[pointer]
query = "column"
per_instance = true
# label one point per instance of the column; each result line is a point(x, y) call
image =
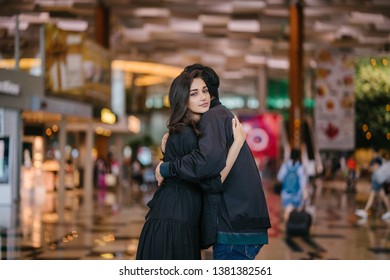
point(296, 73)
point(88, 168)
point(102, 25)
point(61, 173)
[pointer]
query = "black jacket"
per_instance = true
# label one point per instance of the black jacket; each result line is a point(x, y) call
point(242, 193)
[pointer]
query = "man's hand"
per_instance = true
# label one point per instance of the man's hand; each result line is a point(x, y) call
point(239, 133)
point(157, 174)
point(164, 142)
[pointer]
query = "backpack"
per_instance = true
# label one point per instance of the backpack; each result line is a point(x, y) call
point(291, 180)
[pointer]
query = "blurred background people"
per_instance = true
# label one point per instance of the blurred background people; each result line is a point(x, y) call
point(293, 178)
point(379, 170)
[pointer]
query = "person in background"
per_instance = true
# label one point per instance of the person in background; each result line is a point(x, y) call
point(294, 180)
point(351, 174)
point(376, 188)
point(172, 227)
point(236, 220)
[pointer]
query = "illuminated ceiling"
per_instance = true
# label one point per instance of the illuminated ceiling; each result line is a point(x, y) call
point(233, 36)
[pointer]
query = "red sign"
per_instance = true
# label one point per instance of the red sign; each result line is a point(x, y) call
point(263, 133)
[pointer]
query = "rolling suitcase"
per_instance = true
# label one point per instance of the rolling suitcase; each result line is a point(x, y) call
point(298, 223)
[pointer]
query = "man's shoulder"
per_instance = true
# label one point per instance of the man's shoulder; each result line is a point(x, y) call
point(217, 112)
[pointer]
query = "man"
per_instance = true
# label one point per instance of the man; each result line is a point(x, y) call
point(235, 218)
point(380, 175)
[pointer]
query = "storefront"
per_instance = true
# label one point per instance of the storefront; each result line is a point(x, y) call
point(25, 115)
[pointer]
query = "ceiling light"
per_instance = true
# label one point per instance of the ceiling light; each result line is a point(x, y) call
point(24, 63)
point(149, 81)
point(248, 6)
point(146, 68)
point(277, 12)
point(10, 24)
point(54, 3)
point(255, 59)
point(244, 26)
point(182, 25)
point(136, 34)
point(72, 25)
point(315, 11)
point(383, 26)
point(214, 20)
point(224, 8)
point(213, 59)
point(362, 18)
point(320, 26)
point(152, 12)
point(373, 40)
point(230, 52)
point(230, 75)
point(35, 18)
point(278, 63)
point(157, 28)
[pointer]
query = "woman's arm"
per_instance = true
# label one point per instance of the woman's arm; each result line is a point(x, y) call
point(239, 139)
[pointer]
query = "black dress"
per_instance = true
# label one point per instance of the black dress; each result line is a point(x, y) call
point(171, 230)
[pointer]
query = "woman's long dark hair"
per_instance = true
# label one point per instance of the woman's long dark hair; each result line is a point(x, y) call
point(179, 93)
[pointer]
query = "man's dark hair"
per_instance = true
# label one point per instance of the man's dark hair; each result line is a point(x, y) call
point(376, 160)
point(209, 76)
point(295, 155)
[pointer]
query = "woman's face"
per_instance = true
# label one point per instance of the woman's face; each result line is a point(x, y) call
point(199, 101)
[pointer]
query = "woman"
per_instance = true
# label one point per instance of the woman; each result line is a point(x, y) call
point(172, 227)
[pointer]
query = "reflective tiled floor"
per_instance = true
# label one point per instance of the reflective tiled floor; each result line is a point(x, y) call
point(108, 227)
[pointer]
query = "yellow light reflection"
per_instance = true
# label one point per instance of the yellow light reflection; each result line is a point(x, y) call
point(48, 132)
point(166, 101)
point(94, 153)
point(149, 81)
point(134, 124)
point(107, 256)
point(102, 131)
point(107, 116)
point(160, 71)
point(146, 68)
point(24, 63)
point(109, 238)
point(368, 135)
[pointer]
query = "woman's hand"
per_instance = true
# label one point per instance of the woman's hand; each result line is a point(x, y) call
point(157, 174)
point(239, 133)
point(164, 142)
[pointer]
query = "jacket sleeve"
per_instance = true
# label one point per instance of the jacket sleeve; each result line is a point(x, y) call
point(211, 185)
point(210, 158)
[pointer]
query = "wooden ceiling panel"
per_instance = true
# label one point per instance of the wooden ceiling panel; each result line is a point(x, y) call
point(214, 32)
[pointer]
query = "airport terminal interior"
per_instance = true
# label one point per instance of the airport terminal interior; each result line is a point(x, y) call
point(110, 228)
point(84, 105)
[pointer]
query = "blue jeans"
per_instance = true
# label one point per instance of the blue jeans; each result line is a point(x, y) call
point(235, 252)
